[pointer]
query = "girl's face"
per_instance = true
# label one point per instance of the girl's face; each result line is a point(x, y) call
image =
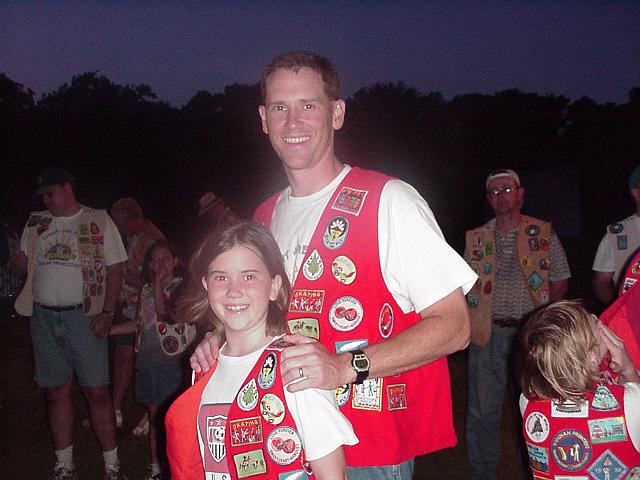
point(239, 289)
point(162, 260)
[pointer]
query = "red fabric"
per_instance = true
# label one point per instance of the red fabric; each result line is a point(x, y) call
point(387, 436)
point(623, 317)
point(575, 432)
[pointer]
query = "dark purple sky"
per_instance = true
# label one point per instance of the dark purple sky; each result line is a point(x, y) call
point(566, 48)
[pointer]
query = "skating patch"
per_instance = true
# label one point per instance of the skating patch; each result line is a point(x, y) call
point(272, 409)
point(350, 200)
point(346, 313)
point(308, 326)
point(571, 450)
point(306, 301)
point(247, 398)
point(537, 427)
point(367, 395)
point(538, 458)
point(397, 396)
point(343, 269)
point(385, 321)
point(245, 431)
point(313, 267)
point(284, 445)
point(604, 430)
point(336, 232)
point(603, 400)
point(267, 374)
point(250, 463)
point(607, 467)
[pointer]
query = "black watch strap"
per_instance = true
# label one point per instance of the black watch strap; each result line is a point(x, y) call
point(360, 364)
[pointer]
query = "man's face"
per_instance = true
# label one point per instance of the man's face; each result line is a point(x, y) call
point(123, 222)
point(300, 119)
point(509, 198)
point(57, 199)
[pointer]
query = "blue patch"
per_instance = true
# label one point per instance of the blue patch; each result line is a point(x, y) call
point(607, 467)
point(571, 450)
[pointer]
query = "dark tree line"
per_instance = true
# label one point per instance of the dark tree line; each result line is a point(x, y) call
point(120, 140)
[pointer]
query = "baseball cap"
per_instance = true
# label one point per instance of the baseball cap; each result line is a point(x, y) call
point(504, 172)
point(207, 202)
point(634, 178)
point(50, 177)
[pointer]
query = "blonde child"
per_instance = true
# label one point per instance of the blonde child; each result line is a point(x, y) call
point(159, 344)
point(576, 423)
point(238, 420)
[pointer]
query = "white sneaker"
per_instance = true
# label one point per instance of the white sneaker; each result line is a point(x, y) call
point(142, 428)
point(60, 472)
point(114, 473)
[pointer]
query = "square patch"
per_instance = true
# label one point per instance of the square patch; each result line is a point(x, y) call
point(368, 395)
point(350, 200)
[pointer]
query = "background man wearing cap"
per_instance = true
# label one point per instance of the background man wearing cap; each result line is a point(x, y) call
point(73, 257)
point(373, 280)
point(138, 234)
point(618, 245)
point(520, 265)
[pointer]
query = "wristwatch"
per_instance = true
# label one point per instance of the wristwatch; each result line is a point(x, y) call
point(360, 363)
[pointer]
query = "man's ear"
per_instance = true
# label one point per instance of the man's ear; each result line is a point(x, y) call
point(339, 109)
point(262, 111)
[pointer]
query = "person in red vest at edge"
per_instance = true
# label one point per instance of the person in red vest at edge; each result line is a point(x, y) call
point(378, 295)
point(238, 420)
point(577, 423)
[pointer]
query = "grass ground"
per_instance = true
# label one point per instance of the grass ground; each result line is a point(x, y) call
point(25, 442)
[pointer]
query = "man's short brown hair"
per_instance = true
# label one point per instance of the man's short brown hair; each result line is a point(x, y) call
point(294, 61)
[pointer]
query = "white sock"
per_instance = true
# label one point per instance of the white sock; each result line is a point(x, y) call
point(111, 459)
point(155, 468)
point(65, 457)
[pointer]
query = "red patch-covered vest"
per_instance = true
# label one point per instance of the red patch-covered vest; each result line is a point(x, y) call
point(340, 298)
point(581, 441)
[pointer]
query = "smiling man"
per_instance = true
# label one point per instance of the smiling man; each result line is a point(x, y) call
point(376, 288)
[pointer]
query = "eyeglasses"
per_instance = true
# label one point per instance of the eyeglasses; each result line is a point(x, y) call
point(506, 189)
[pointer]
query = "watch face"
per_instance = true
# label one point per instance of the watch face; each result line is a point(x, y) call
point(361, 362)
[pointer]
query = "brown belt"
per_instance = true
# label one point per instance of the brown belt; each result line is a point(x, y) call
point(507, 322)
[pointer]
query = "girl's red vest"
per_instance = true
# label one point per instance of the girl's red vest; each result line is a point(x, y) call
point(581, 441)
point(340, 298)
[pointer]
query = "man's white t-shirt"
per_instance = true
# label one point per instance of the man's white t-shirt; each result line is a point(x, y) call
point(605, 259)
point(418, 266)
point(57, 277)
point(321, 425)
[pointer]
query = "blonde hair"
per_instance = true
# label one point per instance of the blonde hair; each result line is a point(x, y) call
point(556, 344)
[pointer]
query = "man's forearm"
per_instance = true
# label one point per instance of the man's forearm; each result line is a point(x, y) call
point(113, 286)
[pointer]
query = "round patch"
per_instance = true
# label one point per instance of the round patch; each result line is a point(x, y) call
point(532, 230)
point(537, 427)
point(346, 313)
point(247, 398)
point(487, 288)
point(162, 328)
point(526, 261)
point(343, 270)
point(336, 232)
point(385, 321)
point(571, 450)
point(272, 409)
point(284, 445)
point(342, 394)
point(170, 344)
point(267, 374)
point(616, 228)
point(313, 268)
point(486, 268)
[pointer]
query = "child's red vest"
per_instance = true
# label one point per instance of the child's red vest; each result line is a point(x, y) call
point(340, 298)
point(580, 441)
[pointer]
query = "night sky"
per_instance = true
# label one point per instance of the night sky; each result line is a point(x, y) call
point(562, 48)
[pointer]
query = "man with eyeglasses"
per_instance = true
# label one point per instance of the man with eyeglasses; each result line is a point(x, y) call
point(521, 265)
point(73, 258)
point(618, 245)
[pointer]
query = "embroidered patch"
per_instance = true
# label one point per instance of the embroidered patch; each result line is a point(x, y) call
point(278, 345)
point(346, 313)
point(543, 264)
point(84, 240)
point(342, 394)
point(544, 244)
point(97, 239)
point(487, 288)
point(215, 436)
point(607, 467)
point(295, 475)
point(544, 297)
point(534, 246)
point(397, 396)
point(616, 227)
point(349, 345)
point(245, 431)
point(350, 200)
point(604, 430)
point(83, 229)
point(343, 269)
point(621, 241)
point(535, 281)
point(308, 326)
point(385, 321)
point(306, 301)
point(570, 449)
point(170, 344)
point(569, 409)
point(488, 248)
point(247, 398)
point(284, 445)
point(477, 254)
point(603, 400)
point(95, 230)
point(526, 261)
point(336, 232)
point(98, 264)
point(313, 268)
point(267, 373)
point(634, 474)
point(478, 239)
point(538, 458)
point(472, 300)
point(487, 268)
point(628, 283)
point(272, 409)
point(532, 230)
point(367, 395)
point(250, 463)
point(537, 427)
